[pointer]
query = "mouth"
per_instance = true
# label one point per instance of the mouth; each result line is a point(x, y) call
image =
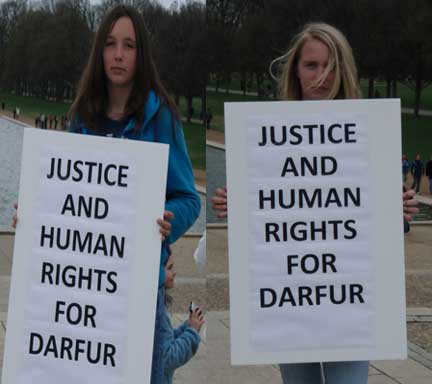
point(117, 69)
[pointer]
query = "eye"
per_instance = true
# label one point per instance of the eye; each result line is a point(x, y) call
point(311, 65)
point(109, 43)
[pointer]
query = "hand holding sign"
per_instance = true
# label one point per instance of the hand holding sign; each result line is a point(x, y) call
point(165, 225)
point(219, 202)
point(409, 204)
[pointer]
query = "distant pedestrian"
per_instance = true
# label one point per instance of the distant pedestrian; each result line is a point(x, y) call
point(50, 118)
point(37, 121)
point(417, 170)
point(14, 113)
point(208, 118)
point(3, 105)
point(429, 173)
point(17, 113)
point(55, 122)
point(43, 121)
point(405, 167)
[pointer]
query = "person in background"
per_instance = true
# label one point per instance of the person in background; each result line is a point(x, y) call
point(405, 167)
point(417, 170)
point(429, 173)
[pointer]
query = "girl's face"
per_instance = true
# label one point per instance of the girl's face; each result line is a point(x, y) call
point(170, 273)
point(119, 54)
point(314, 57)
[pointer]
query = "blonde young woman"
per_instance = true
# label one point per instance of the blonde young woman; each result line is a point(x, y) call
point(319, 65)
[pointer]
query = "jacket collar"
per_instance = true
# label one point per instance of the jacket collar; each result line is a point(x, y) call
point(150, 110)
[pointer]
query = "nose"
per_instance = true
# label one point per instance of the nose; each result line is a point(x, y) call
point(118, 52)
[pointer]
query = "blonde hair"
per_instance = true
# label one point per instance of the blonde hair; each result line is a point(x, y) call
point(341, 60)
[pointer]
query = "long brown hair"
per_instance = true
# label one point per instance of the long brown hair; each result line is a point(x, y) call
point(92, 97)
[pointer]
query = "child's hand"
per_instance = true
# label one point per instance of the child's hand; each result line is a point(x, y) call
point(196, 319)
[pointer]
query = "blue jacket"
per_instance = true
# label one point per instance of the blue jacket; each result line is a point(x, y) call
point(181, 197)
point(179, 345)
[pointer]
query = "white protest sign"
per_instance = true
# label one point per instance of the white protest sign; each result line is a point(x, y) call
point(86, 260)
point(315, 231)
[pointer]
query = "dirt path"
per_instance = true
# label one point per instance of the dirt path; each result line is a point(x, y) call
point(216, 136)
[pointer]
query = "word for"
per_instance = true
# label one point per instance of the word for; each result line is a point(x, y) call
point(311, 263)
point(75, 313)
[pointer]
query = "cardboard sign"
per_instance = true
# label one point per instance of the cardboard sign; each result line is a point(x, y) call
point(86, 260)
point(315, 231)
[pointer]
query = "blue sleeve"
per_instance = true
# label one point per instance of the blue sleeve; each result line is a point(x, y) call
point(181, 196)
point(180, 329)
point(181, 349)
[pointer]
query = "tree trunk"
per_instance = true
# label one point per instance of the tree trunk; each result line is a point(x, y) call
point(203, 105)
point(189, 107)
point(418, 86)
point(370, 88)
point(394, 90)
point(227, 83)
point(259, 85)
point(243, 82)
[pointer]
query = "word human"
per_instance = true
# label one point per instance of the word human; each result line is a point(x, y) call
point(77, 241)
point(302, 198)
point(311, 296)
point(308, 134)
point(88, 171)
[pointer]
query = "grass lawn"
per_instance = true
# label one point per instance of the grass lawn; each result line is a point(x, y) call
point(405, 93)
point(417, 136)
point(32, 107)
point(195, 140)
